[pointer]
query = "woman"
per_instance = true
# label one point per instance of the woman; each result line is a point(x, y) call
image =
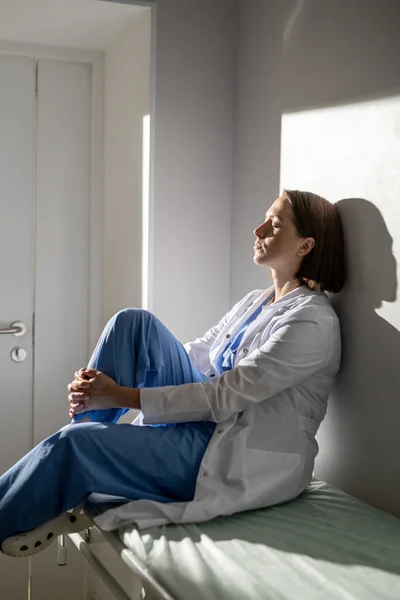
point(227, 422)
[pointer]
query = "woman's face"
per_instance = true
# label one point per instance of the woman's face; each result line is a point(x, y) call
point(278, 245)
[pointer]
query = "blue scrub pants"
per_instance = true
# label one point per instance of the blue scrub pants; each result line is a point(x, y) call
point(134, 462)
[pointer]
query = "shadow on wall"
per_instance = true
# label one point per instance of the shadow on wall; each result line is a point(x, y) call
point(364, 410)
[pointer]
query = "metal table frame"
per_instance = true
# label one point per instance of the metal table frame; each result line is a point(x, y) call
point(83, 541)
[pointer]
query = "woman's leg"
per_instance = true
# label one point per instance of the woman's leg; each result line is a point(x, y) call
point(137, 350)
point(160, 463)
point(157, 463)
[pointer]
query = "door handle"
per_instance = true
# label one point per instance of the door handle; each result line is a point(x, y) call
point(17, 328)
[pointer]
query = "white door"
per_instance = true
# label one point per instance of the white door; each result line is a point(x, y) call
point(17, 139)
point(44, 259)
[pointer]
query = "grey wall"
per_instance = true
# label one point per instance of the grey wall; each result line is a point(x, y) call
point(127, 75)
point(193, 166)
point(339, 52)
point(257, 132)
point(337, 81)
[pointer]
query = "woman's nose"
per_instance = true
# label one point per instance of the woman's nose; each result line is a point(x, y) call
point(261, 230)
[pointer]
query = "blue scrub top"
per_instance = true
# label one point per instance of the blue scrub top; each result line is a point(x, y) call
point(226, 359)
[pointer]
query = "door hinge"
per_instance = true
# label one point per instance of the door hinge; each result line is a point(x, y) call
point(36, 78)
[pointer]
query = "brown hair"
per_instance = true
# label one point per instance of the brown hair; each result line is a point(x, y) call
point(324, 267)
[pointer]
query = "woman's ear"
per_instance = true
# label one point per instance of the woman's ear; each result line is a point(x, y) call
point(306, 246)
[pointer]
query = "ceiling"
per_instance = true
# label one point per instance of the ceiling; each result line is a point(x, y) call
point(85, 24)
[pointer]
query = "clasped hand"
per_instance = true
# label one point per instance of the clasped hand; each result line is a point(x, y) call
point(91, 390)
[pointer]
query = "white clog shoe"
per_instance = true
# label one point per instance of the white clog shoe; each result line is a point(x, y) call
point(36, 540)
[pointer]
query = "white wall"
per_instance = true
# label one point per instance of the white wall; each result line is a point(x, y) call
point(192, 164)
point(337, 79)
point(257, 131)
point(127, 80)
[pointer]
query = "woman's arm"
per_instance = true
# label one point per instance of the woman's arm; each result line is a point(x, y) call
point(297, 349)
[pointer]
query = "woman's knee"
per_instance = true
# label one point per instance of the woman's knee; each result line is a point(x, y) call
point(127, 315)
point(75, 432)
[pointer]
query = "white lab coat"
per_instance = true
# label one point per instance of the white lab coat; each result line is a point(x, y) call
point(268, 409)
